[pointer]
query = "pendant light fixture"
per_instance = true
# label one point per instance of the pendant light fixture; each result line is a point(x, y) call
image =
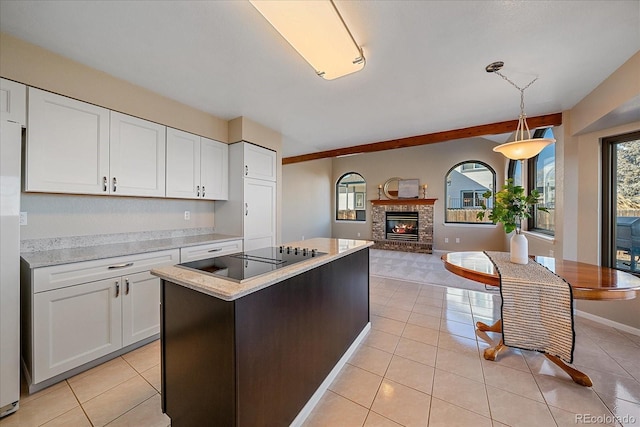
point(316, 30)
point(521, 148)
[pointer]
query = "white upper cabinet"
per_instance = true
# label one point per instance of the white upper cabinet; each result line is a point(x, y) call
point(214, 169)
point(183, 164)
point(197, 168)
point(67, 145)
point(75, 147)
point(137, 157)
point(259, 163)
point(13, 102)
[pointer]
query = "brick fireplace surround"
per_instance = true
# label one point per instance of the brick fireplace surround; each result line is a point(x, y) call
point(424, 207)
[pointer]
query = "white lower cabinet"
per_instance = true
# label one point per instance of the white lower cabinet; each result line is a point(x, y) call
point(73, 326)
point(70, 321)
point(140, 307)
point(259, 225)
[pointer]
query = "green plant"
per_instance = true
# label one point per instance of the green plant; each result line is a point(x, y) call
point(510, 206)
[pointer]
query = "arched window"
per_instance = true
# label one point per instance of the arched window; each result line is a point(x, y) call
point(465, 184)
point(351, 191)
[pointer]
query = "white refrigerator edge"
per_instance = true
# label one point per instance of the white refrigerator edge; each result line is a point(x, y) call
point(10, 146)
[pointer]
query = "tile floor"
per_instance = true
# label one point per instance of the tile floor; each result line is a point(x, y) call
point(421, 364)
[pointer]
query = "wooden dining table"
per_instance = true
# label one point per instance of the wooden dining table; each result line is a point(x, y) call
point(588, 282)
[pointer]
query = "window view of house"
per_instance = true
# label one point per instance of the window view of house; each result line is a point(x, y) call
point(465, 184)
point(351, 191)
point(542, 177)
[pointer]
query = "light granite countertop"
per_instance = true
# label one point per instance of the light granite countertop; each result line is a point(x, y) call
point(88, 253)
point(229, 290)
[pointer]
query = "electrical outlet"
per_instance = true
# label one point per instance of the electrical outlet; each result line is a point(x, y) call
point(457, 240)
point(187, 215)
point(358, 234)
point(23, 218)
point(446, 240)
point(551, 252)
point(302, 237)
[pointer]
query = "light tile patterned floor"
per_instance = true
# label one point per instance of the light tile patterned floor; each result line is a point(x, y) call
point(421, 364)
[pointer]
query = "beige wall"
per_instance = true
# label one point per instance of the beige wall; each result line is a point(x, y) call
point(618, 89)
point(52, 215)
point(430, 164)
point(34, 66)
point(587, 218)
point(583, 175)
point(307, 189)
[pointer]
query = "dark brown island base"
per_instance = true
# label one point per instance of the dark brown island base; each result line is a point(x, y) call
point(261, 352)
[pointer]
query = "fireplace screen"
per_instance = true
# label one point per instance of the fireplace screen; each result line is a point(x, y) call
point(402, 226)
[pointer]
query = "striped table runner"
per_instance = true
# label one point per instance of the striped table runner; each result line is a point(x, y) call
point(537, 307)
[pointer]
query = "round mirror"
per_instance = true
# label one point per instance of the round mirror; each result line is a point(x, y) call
point(391, 188)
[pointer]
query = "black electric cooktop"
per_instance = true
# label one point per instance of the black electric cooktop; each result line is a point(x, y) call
point(247, 265)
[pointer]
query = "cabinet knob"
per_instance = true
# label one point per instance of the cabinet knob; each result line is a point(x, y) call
point(115, 184)
point(198, 191)
point(246, 209)
point(246, 170)
point(203, 191)
point(104, 183)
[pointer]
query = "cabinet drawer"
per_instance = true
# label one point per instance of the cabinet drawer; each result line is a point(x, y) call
point(60, 276)
point(194, 253)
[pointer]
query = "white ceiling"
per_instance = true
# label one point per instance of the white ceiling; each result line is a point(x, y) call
point(425, 60)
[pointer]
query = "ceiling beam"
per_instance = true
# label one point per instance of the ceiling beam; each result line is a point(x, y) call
point(431, 138)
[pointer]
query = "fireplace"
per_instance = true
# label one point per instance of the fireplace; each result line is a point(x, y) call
point(402, 226)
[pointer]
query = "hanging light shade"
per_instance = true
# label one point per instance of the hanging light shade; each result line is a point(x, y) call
point(315, 29)
point(523, 147)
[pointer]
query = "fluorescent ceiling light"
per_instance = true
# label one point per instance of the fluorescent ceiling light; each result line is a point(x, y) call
point(316, 30)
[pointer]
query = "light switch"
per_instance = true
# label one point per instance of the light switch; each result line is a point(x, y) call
point(23, 218)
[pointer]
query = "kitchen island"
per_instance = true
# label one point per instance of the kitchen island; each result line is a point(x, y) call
point(262, 351)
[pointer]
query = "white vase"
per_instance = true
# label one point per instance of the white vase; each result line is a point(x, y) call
point(519, 249)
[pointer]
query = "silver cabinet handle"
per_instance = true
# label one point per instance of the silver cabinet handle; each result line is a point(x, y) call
point(104, 183)
point(246, 209)
point(126, 282)
point(117, 289)
point(215, 250)
point(203, 191)
point(198, 191)
point(246, 170)
point(115, 184)
point(123, 265)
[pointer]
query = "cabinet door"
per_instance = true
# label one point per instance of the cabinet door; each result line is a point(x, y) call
point(13, 102)
point(259, 213)
point(67, 145)
point(214, 169)
point(183, 164)
point(136, 156)
point(259, 162)
point(140, 307)
point(75, 325)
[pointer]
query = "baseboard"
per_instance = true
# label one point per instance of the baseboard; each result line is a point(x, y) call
point(608, 322)
point(306, 410)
